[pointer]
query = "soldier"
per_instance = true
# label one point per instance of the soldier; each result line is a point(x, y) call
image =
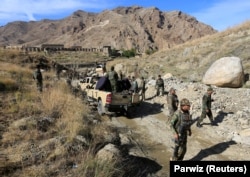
point(58, 71)
point(143, 88)
point(134, 85)
point(172, 101)
point(159, 86)
point(37, 75)
point(181, 126)
point(206, 107)
point(113, 78)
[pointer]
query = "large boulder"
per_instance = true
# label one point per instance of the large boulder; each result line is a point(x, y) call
point(225, 72)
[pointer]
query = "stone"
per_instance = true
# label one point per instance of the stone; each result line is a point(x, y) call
point(108, 153)
point(225, 72)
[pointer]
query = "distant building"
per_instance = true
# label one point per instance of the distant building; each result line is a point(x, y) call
point(52, 46)
point(107, 50)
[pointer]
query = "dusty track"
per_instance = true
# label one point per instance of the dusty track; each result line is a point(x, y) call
point(151, 131)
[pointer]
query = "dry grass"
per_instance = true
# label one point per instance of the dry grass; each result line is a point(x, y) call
point(71, 110)
point(13, 77)
point(29, 150)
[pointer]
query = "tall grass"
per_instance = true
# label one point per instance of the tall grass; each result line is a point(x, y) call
point(70, 110)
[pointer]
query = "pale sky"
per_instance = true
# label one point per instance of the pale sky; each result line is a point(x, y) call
point(220, 14)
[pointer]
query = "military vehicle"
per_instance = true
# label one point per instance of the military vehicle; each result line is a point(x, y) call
point(97, 92)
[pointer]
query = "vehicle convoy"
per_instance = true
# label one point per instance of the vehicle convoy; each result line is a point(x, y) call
point(97, 92)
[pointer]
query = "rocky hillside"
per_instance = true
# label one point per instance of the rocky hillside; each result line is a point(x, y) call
point(121, 28)
point(191, 60)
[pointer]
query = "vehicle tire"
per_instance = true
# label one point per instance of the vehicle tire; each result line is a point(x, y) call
point(100, 108)
point(128, 113)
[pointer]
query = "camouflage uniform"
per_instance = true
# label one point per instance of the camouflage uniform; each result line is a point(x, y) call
point(143, 88)
point(58, 71)
point(113, 78)
point(159, 86)
point(37, 75)
point(134, 85)
point(206, 108)
point(180, 125)
point(172, 100)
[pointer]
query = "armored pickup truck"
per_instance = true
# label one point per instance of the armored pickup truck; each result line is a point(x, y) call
point(98, 93)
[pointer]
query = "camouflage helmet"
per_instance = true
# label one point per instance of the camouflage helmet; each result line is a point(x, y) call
point(185, 102)
point(210, 89)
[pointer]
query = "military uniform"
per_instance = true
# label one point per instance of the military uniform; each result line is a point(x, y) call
point(172, 100)
point(143, 88)
point(159, 86)
point(113, 78)
point(206, 108)
point(37, 75)
point(134, 85)
point(181, 127)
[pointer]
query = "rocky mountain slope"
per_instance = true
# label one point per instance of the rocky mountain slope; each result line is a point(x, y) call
point(191, 59)
point(146, 135)
point(121, 28)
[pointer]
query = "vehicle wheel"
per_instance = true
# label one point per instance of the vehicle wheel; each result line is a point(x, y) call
point(128, 113)
point(100, 108)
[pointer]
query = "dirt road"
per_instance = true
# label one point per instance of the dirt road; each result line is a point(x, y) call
point(150, 129)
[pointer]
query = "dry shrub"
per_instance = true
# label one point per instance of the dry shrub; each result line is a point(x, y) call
point(91, 166)
point(7, 84)
point(36, 171)
point(13, 77)
point(6, 55)
point(59, 99)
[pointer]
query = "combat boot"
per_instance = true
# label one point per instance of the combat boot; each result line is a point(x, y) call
point(213, 123)
point(198, 124)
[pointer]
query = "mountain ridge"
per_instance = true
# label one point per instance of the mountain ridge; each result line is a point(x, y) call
point(121, 28)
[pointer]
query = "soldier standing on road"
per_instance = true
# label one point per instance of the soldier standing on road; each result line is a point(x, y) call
point(172, 101)
point(113, 78)
point(37, 75)
point(181, 126)
point(206, 107)
point(159, 86)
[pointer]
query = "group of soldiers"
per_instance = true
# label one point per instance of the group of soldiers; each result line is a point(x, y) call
point(38, 77)
point(113, 77)
point(181, 120)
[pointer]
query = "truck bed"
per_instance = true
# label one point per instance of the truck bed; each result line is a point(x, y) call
point(107, 101)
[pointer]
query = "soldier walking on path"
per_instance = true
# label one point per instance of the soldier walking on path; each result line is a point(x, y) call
point(206, 107)
point(172, 101)
point(37, 75)
point(159, 86)
point(113, 78)
point(181, 126)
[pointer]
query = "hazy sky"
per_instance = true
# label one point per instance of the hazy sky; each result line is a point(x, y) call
point(220, 14)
